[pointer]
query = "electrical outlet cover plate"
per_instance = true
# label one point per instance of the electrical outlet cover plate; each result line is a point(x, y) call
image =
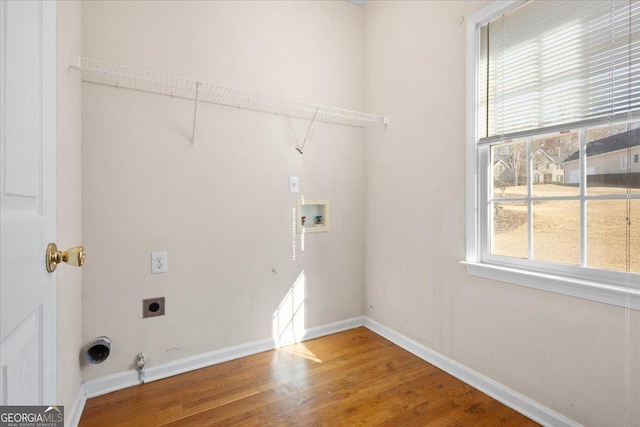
point(158, 262)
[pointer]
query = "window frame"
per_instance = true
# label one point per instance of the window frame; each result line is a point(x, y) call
point(610, 287)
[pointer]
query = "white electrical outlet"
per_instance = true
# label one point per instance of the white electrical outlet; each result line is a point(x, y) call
point(293, 184)
point(158, 262)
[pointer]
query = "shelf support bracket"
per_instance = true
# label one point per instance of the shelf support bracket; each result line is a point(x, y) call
point(195, 114)
point(308, 135)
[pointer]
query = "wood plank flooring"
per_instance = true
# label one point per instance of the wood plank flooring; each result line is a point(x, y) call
point(354, 378)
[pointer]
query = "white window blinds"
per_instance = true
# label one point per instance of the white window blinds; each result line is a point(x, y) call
point(549, 64)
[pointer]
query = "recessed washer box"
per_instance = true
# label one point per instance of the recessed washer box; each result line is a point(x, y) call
point(313, 216)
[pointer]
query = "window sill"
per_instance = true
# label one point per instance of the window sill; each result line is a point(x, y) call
point(593, 291)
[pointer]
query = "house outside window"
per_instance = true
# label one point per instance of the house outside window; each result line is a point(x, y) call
point(543, 228)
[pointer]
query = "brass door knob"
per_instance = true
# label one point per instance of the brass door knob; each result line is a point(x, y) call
point(73, 256)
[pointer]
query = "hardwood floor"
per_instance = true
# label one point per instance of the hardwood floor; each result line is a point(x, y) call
point(347, 379)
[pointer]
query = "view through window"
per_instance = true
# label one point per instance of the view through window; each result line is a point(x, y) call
point(538, 195)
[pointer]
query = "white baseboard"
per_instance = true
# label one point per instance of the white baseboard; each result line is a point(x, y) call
point(526, 406)
point(72, 418)
point(509, 397)
point(125, 379)
point(333, 328)
point(203, 360)
point(114, 382)
point(231, 353)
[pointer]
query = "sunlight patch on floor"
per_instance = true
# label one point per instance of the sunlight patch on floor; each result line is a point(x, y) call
point(300, 350)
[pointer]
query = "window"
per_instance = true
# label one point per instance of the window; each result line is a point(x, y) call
point(560, 80)
point(635, 158)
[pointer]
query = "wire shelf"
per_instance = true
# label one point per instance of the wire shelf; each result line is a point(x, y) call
point(147, 81)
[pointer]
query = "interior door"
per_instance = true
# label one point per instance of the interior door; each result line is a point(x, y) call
point(27, 205)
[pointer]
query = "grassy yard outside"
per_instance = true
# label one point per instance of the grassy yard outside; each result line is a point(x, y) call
point(556, 228)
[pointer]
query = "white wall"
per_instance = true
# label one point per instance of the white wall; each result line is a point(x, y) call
point(69, 215)
point(566, 353)
point(222, 210)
